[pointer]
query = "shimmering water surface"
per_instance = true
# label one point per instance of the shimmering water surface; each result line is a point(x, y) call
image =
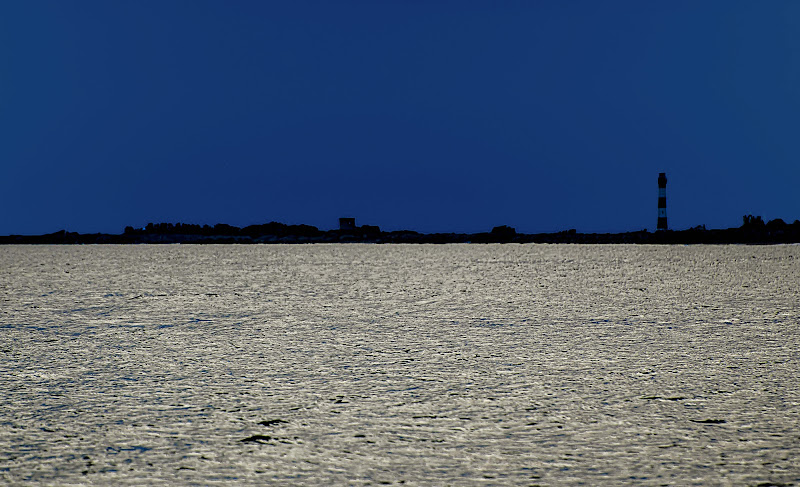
point(368, 364)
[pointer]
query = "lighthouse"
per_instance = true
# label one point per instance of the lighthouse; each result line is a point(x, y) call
point(662, 201)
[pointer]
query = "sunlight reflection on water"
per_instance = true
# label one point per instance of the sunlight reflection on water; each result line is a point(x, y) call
point(368, 364)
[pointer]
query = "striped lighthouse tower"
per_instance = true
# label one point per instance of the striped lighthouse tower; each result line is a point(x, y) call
point(662, 201)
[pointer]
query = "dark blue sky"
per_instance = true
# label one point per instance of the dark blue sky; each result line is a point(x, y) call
point(430, 116)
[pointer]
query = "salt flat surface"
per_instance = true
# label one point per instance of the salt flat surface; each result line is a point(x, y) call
point(369, 364)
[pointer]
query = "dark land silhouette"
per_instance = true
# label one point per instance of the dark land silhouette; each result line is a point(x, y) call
point(753, 231)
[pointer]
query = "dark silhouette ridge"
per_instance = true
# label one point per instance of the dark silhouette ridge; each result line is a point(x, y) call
point(752, 231)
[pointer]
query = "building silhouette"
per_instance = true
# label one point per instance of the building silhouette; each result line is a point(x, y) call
point(347, 223)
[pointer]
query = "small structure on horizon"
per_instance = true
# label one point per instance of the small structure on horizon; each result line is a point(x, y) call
point(347, 223)
point(662, 202)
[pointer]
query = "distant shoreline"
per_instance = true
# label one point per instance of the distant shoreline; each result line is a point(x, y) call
point(753, 232)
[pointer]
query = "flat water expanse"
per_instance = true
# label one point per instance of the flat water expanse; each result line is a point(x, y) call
point(416, 365)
